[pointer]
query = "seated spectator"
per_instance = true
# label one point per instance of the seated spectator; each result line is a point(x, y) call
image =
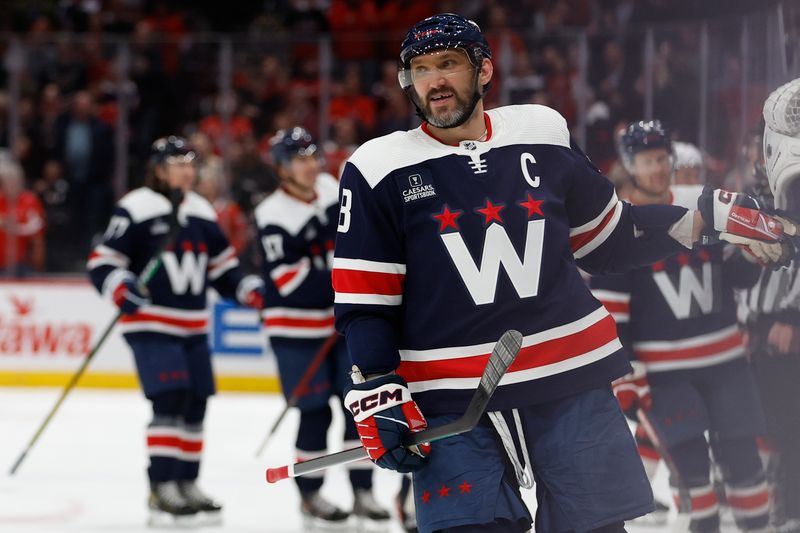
point(350, 101)
point(22, 224)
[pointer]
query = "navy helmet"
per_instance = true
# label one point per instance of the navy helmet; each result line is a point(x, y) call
point(170, 150)
point(289, 143)
point(643, 135)
point(446, 30)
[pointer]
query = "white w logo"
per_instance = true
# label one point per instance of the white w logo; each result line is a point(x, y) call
point(190, 273)
point(497, 249)
point(689, 289)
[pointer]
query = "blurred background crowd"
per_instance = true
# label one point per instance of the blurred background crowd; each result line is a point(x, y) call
point(87, 85)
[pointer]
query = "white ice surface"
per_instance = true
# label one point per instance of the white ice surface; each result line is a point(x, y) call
point(87, 472)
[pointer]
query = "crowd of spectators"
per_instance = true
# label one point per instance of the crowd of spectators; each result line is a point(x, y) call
point(78, 65)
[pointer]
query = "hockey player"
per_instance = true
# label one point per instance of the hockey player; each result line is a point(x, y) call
point(427, 218)
point(677, 319)
point(165, 323)
point(297, 228)
point(688, 164)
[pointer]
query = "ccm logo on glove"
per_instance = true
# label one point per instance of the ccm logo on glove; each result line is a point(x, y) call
point(383, 397)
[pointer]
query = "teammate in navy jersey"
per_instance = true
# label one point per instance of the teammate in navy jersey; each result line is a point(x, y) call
point(427, 219)
point(297, 228)
point(677, 320)
point(165, 322)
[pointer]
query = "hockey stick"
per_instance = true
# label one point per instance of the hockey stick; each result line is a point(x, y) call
point(147, 274)
point(300, 389)
point(684, 496)
point(504, 353)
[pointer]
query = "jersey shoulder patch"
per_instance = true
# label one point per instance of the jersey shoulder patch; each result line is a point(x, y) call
point(379, 157)
point(144, 204)
point(284, 211)
point(528, 124)
point(196, 206)
point(686, 195)
point(327, 190)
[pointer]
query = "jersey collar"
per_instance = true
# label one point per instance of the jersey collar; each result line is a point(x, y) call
point(486, 120)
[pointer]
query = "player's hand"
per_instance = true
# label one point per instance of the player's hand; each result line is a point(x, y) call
point(384, 412)
point(740, 219)
point(129, 296)
point(633, 390)
point(252, 292)
point(783, 339)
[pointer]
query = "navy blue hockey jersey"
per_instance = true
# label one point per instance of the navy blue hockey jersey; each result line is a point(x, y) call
point(201, 257)
point(680, 313)
point(440, 249)
point(297, 240)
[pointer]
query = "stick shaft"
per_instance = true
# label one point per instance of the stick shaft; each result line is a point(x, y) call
point(300, 388)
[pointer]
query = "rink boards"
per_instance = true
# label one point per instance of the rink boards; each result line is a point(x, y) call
point(47, 328)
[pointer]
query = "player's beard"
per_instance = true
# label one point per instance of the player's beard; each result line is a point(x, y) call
point(465, 106)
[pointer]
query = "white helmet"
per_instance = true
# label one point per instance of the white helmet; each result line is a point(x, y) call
point(782, 145)
point(687, 155)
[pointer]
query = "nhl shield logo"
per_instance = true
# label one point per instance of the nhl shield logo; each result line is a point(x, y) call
point(470, 145)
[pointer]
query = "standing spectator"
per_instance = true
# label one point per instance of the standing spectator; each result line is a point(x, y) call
point(22, 223)
point(230, 218)
point(85, 148)
point(53, 192)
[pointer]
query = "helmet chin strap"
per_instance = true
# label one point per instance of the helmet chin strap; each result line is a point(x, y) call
point(476, 97)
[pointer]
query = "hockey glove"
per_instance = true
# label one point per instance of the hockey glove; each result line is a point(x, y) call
point(633, 390)
point(739, 219)
point(252, 292)
point(383, 412)
point(129, 296)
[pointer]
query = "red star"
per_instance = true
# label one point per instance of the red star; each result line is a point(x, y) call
point(444, 492)
point(447, 219)
point(465, 487)
point(491, 212)
point(683, 259)
point(704, 256)
point(658, 266)
point(426, 497)
point(533, 206)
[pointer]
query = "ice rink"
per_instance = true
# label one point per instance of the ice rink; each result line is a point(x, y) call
point(87, 472)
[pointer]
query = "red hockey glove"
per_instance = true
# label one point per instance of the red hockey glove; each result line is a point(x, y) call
point(251, 292)
point(739, 219)
point(633, 390)
point(129, 296)
point(383, 412)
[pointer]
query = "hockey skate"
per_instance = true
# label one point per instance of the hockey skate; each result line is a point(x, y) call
point(656, 518)
point(321, 515)
point(370, 516)
point(209, 512)
point(168, 507)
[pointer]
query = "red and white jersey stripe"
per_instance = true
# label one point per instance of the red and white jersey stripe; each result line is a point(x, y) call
point(587, 237)
point(617, 303)
point(358, 281)
point(549, 352)
point(704, 502)
point(176, 442)
point(103, 255)
point(158, 319)
point(748, 502)
point(693, 352)
point(288, 277)
point(219, 264)
point(298, 323)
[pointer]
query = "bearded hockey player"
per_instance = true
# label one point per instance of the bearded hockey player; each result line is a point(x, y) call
point(427, 218)
point(677, 320)
point(165, 323)
point(297, 228)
